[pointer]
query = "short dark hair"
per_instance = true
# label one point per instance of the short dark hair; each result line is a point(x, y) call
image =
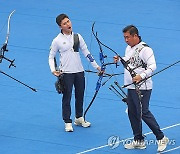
point(60, 17)
point(131, 29)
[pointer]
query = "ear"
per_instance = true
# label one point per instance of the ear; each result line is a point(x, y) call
point(135, 35)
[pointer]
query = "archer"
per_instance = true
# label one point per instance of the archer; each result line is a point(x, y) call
point(140, 59)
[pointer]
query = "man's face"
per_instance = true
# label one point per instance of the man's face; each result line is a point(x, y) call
point(131, 40)
point(66, 26)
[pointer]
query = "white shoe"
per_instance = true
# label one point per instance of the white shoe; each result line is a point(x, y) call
point(80, 122)
point(68, 127)
point(162, 144)
point(135, 145)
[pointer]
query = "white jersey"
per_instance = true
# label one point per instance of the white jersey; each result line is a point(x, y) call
point(70, 61)
point(137, 55)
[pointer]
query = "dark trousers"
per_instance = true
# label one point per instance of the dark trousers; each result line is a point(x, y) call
point(138, 111)
point(78, 81)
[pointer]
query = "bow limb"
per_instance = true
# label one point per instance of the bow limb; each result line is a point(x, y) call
point(8, 29)
point(124, 63)
point(98, 84)
point(103, 67)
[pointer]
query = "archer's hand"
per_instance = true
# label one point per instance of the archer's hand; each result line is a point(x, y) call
point(116, 59)
point(99, 70)
point(137, 78)
point(57, 73)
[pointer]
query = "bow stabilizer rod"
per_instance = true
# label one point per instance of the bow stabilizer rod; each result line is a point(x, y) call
point(143, 80)
point(33, 89)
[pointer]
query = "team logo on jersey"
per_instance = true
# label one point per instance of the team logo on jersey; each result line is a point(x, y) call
point(135, 60)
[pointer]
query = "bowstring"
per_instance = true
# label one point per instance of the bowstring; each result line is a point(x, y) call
point(87, 77)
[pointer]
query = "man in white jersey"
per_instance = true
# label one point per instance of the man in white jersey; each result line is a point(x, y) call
point(140, 57)
point(72, 69)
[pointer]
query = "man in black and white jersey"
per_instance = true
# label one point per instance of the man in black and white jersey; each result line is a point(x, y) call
point(138, 53)
point(72, 69)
